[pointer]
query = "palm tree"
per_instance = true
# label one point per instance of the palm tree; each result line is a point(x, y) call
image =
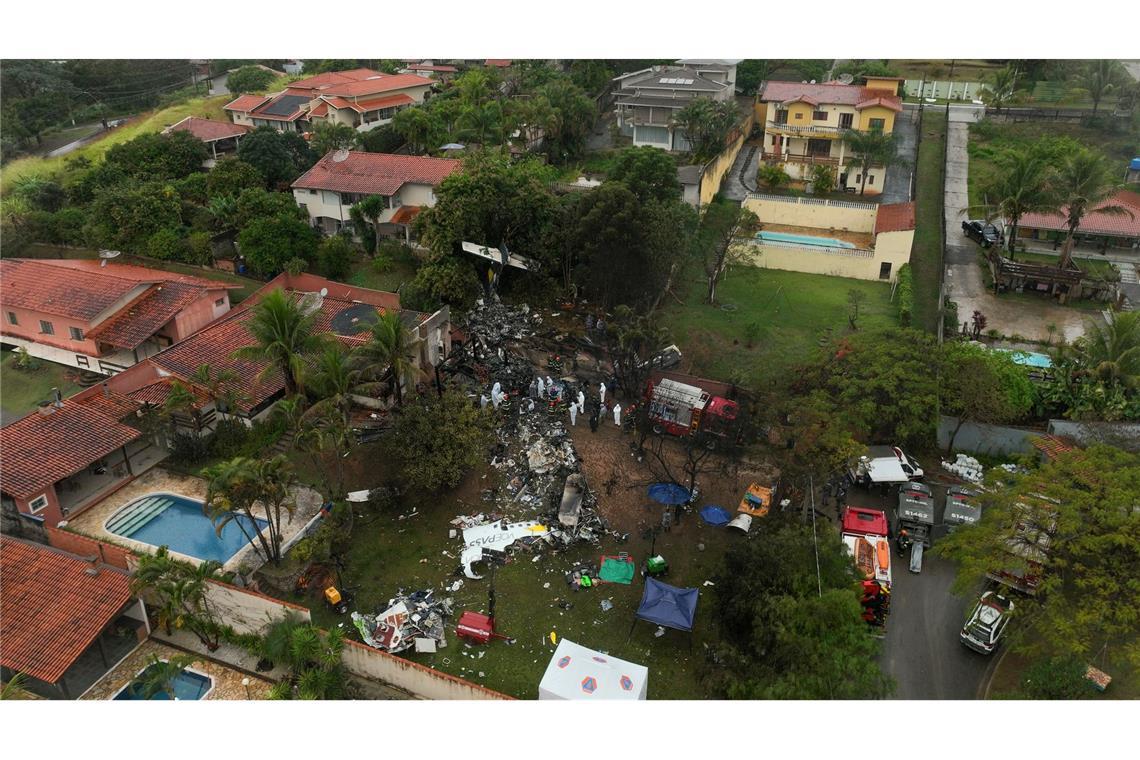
point(390, 351)
point(328, 136)
point(235, 486)
point(333, 380)
point(283, 334)
point(1083, 183)
point(1111, 352)
point(181, 400)
point(13, 688)
point(416, 125)
point(1021, 187)
point(312, 657)
point(222, 386)
point(482, 121)
point(176, 591)
point(1102, 78)
point(1000, 90)
point(869, 149)
point(367, 211)
point(159, 676)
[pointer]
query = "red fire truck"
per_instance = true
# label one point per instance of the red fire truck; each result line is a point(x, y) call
point(681, 409)
point(865, 536)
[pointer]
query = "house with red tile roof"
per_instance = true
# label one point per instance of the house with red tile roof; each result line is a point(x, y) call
point(65, 620)
point(1106, 230)
point(99, 315)
point(804, 125)
point(328, 191)
point(221, 137)
point(361, 98)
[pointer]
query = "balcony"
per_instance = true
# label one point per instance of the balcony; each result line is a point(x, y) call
point(801, 158)
point(793, 130)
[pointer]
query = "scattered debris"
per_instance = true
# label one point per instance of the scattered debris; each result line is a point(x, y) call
point(607, 605)
point(495, 537)
point(406, 618)
point(965, 467)
point(660, 631)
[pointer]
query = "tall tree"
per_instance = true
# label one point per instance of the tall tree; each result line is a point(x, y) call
point(329, 136)
point(983, 386)
point(571, 117)
point(249, 79)
point(1020, 187)
point(999, 91)
point(750, 74)
point(870, 149)
point(1103, 77)
point(367, 211)
point(1084, 182)
point(230, 176)
point(269, 243)
point(312, 657)
point(649, 172)
point(722, 224)
point(706, 124)
point(157, 156)
point(790, 622)
point(417, 126)
point(1110, 353)
point(1086, 597)
point(281, 157)
point(235, 487)
point(436, 441)
point(390, 352)
point(283, 336)
point(176, 591)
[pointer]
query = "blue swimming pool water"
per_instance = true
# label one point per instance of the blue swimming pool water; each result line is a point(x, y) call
point(786, 237)
point(187, 685)
point(166, 519)
point(1029, 358)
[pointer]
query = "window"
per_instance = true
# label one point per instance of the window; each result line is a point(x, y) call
point(781, 116)
point(799, 116)
point(12, 318)
point(845, 120)
point(819, 115)
point(870, 179)
point(76, 333)
point(38, 503)
point(47, 328)
point(395, 202)
point(81, 361)
point(877, 124)
point(817, 147)
point(220, 302)
point(885, 270)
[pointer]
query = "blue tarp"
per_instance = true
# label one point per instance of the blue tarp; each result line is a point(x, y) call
point(668, 493)
point(668, 605)
point(715, 515)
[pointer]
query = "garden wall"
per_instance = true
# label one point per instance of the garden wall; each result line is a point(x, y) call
point(109, 554)
point(813, 212)
point(416, 679)
point(986, 439)
point(248, 611)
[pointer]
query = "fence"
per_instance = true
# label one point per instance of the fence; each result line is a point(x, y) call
point(248, 611)
point(1067, 115)
point(813, 212)
point(986, 439)
point(418, 680)
point(109, 554)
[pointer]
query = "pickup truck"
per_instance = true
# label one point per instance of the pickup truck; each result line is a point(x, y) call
point(982, 232)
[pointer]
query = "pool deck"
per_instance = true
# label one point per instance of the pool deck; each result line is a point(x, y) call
point(157, 480)
point(860, 240)
point(227, 681)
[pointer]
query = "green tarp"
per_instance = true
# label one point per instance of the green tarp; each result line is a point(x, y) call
point(617, 570)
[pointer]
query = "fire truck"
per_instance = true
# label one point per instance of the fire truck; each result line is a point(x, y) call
point(681, 409)
point(865, 536)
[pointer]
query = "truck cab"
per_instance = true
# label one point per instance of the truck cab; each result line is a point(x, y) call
point(914, 517)
point(961, 508)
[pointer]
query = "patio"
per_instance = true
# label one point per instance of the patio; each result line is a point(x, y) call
point(83, 488)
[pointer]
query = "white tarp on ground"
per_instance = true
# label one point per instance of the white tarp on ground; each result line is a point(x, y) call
point(577, 672)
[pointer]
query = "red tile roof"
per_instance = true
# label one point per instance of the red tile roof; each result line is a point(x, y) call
point(827, 94)
point(146, 315)
point(375, 173)
point(158, 392)
point(499, 62)
point(375, 85)
point(886, 101)
point(40, 286)
point(333, 77)
point(52, 609)
point(894, 217)
point(405, 215)
point(385, 102)
point(111, 405)
point(133, 272)
point(208, 130)
point(1119, 225)
point(245, 103)
point(320, 109)
point(1052, 446)
point(41, 449)
point(443, 69)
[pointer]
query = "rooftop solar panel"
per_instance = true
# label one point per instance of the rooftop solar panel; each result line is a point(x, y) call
point(285, 105)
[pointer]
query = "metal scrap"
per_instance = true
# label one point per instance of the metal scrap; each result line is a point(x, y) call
point(405, 621)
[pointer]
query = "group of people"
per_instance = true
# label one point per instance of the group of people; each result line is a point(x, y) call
point(555, 393)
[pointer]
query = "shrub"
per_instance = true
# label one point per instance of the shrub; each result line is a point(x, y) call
point(904, 295)
point(397, 251)
point(229, 439)
point(199, 250)
point(334, 257)
point(167, 244)
point(187, 448)
point(296, 265)
point(772, 176)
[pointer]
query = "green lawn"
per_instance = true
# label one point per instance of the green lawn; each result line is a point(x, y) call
point(152, 121)
point(388, 553)
point(926, 255)
point(22, 390)
point(792, 312)
point(365, 275)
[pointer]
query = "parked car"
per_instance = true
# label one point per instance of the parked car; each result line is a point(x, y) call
point(982, 232)
point(987, 623)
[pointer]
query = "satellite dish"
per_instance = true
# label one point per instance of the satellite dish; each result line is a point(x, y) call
point(340, 155)
point(812, 82)
point(104, 254)
point(846, 78)
point(324, 292)
point(310, 302)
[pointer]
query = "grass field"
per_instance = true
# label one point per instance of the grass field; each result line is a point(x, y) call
point(22, 390)
point(152, 121)
point(926, 256)
point(365, 275)
point(792, 312)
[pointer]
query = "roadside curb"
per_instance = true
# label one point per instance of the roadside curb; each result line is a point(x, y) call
point(984, 688)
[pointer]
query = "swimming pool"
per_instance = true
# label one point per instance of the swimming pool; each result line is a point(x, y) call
point(187, 685)
point(1029, 358)
point(812, 240)
point(167, 519)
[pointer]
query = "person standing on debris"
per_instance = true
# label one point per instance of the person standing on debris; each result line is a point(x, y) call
point(594, 421)
point(602, 392)
point(573, 414)
point(589, 322)
point(541, 388)
point(581, 401)
point(533, 391)
point(617, 414)
point(483, 401)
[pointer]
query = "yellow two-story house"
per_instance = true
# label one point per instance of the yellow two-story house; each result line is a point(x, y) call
point(804, 125)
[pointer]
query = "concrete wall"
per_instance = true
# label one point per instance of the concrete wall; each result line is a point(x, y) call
point(893, 247)
point(985, 439)
point(248, 611)
point(812, 212)
point(837, 262)
point(84, 546)
point(418, 680)
point(1124, 435)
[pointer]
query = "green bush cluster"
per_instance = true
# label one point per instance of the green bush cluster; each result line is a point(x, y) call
point(904, 295)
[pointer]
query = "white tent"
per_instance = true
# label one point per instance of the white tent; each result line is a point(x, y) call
point(576, 672)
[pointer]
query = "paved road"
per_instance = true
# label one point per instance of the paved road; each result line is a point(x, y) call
point(897, 186)
point(741, 178)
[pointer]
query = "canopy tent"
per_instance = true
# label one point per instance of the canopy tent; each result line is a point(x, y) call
point(669, 494)
point(714, 515)
point(577, 672)
point(667, 606)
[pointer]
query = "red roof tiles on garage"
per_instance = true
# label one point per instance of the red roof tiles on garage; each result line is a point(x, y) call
point(40, 449)
point(894, 217)
point(375, 173)
point(53, 608)
point(1094, 222)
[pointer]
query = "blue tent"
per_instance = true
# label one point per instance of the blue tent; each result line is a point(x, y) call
point(668, 605)
point(714, 515)
point(668, 493)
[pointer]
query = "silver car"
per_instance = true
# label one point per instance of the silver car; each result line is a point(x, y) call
point(987, 623)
